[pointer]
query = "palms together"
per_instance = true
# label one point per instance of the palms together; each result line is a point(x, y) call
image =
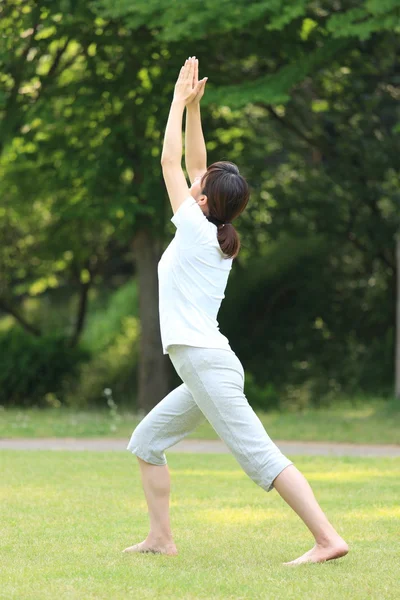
point(188, 88)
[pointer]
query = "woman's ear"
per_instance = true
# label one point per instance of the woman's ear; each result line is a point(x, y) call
point(203, 199)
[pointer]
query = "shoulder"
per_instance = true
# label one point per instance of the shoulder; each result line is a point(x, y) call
point(192, 224)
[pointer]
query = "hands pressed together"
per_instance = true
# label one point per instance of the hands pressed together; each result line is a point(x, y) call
point(188, 89)
point(187, 93)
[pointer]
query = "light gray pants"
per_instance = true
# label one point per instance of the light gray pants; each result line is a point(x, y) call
point(213, 390)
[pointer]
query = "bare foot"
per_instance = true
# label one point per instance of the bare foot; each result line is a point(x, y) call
point(318, 553)
point(154, 548)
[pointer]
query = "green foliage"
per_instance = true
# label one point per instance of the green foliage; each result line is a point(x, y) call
point(194, 19)
point(302, 96)
point(274, 88)
point(105, 322)
point(112, 336)
point(283, 13)
point(366, 19)
point(303, 333)
point(265, 396)
point(33, 368)
point(112, 368)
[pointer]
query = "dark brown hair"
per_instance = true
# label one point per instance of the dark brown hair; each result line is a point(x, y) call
point(228, 194)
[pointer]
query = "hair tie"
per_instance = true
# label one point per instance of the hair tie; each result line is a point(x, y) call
point(216, 221)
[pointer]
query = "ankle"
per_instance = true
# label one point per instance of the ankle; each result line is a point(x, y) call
point(160, 538)
point(327, 540)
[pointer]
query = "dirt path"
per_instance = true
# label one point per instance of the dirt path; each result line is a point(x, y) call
point(217, 446)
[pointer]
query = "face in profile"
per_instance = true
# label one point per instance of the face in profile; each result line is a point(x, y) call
point(195, 191)
point(195, 188)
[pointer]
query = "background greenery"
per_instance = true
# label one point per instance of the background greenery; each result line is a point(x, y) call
point(302, 95)
point(361, 420)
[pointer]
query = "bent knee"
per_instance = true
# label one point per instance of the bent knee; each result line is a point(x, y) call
point(147, 452)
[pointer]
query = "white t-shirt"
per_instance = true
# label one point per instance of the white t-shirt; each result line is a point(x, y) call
point(192, 276)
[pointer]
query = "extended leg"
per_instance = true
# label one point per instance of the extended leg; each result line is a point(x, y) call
point(216, 381)
point(297, 492)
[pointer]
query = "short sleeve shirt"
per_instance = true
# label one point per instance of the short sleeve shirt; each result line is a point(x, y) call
point(192, 273)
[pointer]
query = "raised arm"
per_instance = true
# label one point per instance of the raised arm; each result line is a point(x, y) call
point(195, 147)
point(171, 156)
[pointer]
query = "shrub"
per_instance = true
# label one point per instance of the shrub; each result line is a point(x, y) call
point(32, 369)
point(114, 368)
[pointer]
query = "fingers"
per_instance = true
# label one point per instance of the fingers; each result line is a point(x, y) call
point(196, 73)
point(190, 66)
point(190, 72)
point(185, 69)
point(189, 69)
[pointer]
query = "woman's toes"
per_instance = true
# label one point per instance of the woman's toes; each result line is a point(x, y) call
point(145, 547)
point(321, 554)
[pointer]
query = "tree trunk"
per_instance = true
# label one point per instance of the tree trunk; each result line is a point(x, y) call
point(153, 380)
point(397, 326)
point(82, 308)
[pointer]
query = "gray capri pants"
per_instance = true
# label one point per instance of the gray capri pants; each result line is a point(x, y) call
point(212, 389)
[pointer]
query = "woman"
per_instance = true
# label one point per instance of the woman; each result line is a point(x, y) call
point(193, 273)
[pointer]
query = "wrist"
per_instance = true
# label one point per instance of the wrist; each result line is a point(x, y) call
point(179, 103)
point(193, 106)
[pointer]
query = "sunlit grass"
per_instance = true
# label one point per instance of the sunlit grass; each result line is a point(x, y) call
point(357, 421)
point(66, 517)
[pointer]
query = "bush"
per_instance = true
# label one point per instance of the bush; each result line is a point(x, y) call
point(32, 369)
point(112, 335)
point(260, 397)
point(114, 368)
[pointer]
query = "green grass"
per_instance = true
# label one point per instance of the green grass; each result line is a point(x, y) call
point(66, 517)
point(362, 422)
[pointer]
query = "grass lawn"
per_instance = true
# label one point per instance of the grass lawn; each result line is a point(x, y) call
point(361, 421)
point(67, 516)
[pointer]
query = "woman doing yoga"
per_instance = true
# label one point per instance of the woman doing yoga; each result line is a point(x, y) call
point(193, 273)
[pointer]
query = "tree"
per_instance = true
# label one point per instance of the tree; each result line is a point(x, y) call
point(87, 93)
